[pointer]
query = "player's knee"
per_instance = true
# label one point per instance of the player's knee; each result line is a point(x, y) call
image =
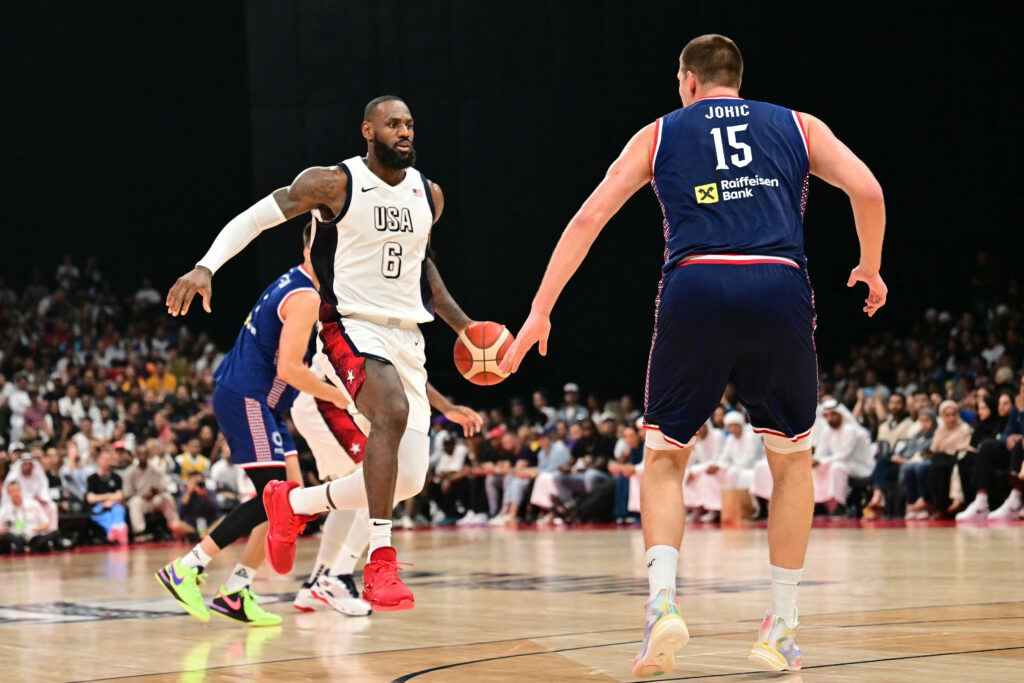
point(392, 414)
point(413, 461)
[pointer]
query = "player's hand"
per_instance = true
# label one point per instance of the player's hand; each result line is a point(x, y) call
point(199, 280)
point(877, 290)
point(535, 331)
point(338, 397)
point(467, 418)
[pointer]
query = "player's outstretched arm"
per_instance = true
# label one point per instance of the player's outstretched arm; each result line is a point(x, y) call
point(630, 172)
point(833, 162)
point(314, 187)
point(467, 418)
point(299, 313)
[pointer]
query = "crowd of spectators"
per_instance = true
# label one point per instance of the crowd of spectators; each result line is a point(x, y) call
point(107, 432)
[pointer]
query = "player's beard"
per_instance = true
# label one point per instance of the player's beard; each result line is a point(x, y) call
point(392, 159)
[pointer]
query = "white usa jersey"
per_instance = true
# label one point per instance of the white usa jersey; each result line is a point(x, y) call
point(369, 258)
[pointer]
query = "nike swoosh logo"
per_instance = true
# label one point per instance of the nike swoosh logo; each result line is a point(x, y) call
point(367, 189)
point(233, 604)
point(174, 577)
point(381, 523)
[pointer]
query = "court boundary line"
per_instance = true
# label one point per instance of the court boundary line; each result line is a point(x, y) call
point(583, 633)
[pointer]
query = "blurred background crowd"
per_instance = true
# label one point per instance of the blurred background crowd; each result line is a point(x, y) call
point(107, 434)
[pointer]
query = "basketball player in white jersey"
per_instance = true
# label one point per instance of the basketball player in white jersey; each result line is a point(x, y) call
point(372, 221)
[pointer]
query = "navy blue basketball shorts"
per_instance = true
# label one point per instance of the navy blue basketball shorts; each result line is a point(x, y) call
point(257, 436)
point(751, 324)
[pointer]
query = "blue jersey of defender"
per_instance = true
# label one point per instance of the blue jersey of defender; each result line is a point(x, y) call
point(731, 175)
point(250, 368)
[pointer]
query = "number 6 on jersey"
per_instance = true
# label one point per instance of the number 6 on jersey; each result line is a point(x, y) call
point(391, 261)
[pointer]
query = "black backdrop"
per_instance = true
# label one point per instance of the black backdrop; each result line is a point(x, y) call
point(136, 132)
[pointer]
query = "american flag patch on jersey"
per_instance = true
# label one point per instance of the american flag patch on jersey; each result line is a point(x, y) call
point(417, 192)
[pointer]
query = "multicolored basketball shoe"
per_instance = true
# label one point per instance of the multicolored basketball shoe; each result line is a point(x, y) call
point(183, 584)
point(666, 633)
point(776, 648)
point(243, 606)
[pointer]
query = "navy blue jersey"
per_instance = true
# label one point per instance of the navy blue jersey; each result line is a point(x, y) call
point(731, 176)
point(250, 368)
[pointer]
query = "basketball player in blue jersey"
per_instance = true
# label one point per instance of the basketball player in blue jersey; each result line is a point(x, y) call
point(257, 382)
point(734, 305)
point(372, 222)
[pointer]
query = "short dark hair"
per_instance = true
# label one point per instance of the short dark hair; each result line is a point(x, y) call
point(714, 60)
point(307, 234)
point(372, 104)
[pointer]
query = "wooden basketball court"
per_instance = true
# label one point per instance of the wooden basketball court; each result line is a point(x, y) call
point(917, 603)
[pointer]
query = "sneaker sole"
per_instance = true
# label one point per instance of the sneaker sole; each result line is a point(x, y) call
point(346, 612)
point(404, 605)
point(667, 637)
point(255, 624)
point(303, 609)
point(174, 594)
point(769, 658)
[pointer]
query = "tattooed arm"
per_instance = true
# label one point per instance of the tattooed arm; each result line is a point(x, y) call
point(319, 187)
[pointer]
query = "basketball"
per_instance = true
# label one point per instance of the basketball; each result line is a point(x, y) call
point(479, 350)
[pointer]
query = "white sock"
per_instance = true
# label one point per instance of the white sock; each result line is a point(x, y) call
point(1014, 498)
point(241, 577)
point(196, 557)
point(662, 561)
point(356, 541)
point(336, 525)
point(982, 500)
point(784, 585)
point(347, 493)
point(380, 533)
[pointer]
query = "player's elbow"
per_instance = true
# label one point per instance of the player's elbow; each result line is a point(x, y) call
point(869, 191)
point(286, 370)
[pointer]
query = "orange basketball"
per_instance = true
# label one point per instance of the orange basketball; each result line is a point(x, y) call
point(479, 350)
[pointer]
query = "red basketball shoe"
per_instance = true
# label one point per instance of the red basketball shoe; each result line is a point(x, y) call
point(284, 525)
point(381, 586)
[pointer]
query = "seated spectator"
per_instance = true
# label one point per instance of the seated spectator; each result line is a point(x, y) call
point(51, 468)
point(546, 415)
point(84, 438)
point(75, 471)
point(450, 469)
point(843, 451)
point(145, 489)
point(191, 461)
point(517, 479)
point(34, 484)
point(591, 453)
point(731, 468)
point(224, 475)
point(997, 440)
point(571, 411)
point(197, 509)
point(896, 427)
point(623, 468)
point(553, 459)
point(897, 424)
point(23, 524)
point(952, 437)
point(105, 495)
point(917, 456)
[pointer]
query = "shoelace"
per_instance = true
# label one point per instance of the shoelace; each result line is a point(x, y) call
point(391, 577)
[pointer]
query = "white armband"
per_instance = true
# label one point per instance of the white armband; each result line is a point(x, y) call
point(241, 230)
